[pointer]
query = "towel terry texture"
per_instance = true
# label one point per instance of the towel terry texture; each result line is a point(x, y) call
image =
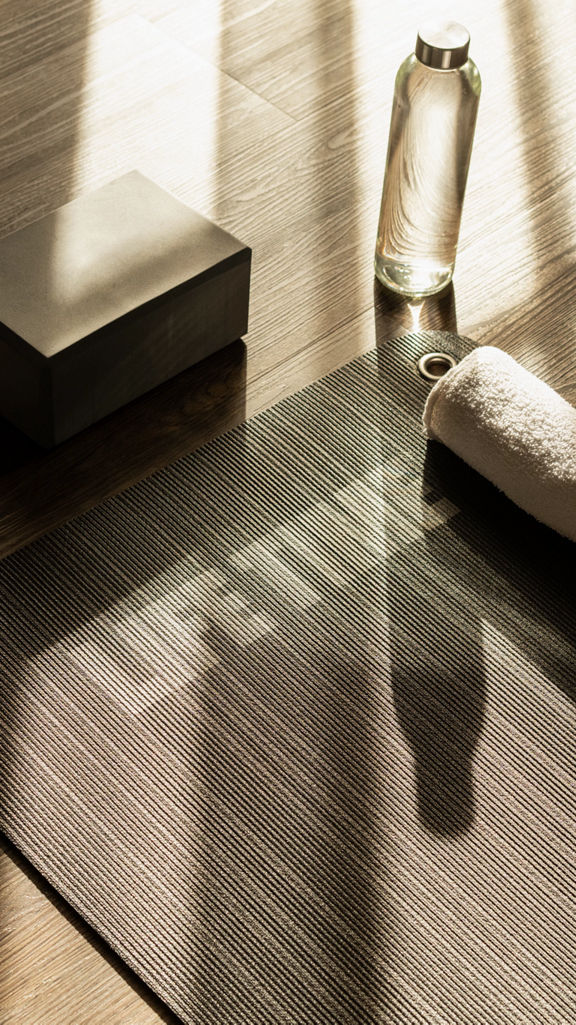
point(513, 429)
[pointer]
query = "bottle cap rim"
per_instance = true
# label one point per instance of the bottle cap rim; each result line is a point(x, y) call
point(442, 44)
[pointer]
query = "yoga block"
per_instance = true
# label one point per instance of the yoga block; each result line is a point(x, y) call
point(108, 297)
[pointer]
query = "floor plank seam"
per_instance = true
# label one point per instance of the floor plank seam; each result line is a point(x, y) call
point(225, 74)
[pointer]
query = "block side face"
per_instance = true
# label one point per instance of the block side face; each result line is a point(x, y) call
point(25, 390)
point(142, 350)
point(100, 257)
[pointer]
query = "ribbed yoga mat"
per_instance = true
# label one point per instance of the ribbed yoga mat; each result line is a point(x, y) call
point(292, 723)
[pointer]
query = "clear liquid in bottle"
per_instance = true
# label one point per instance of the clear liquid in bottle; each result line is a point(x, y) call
point(429, 148)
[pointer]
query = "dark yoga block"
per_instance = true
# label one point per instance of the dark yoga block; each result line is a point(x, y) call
point(108, 297)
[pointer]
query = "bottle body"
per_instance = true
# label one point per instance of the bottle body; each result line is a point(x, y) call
point(429, 148)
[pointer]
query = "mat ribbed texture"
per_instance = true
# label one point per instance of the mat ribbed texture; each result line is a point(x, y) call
point(292, 723)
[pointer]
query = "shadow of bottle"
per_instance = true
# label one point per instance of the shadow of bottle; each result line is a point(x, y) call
point(520, 573)
point(445, 730)
point(437, 668)
point(396, 314)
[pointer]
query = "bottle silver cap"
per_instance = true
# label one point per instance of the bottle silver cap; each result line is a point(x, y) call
point(442, 44)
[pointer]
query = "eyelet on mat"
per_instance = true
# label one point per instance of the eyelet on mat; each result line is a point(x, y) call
point(433, 365)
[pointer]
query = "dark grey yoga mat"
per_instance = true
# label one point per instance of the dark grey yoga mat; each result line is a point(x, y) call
point(292, 723)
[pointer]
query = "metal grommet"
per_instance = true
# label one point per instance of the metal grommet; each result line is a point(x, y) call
point(433, 365)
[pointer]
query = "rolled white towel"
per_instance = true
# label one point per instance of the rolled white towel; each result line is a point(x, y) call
point(513, 429)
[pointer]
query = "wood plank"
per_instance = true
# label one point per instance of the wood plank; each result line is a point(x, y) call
point(101, 107)
point(303, 62)
point(52, 965)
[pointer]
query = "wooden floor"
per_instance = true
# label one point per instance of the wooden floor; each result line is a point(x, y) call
point(271, 118)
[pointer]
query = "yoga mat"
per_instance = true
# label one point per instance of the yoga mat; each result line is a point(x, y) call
point(291, 723)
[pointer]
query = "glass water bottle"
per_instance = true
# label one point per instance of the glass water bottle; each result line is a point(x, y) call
point(431, 131)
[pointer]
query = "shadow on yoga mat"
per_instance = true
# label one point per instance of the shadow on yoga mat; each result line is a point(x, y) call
point(283, 724)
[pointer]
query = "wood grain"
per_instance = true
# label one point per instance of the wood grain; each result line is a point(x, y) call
point(272, 119)
point(48, 956)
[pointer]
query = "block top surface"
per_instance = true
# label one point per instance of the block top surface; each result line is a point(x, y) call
point(101, 256)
